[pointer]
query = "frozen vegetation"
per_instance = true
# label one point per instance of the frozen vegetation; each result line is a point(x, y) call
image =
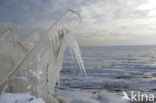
point(34, 66)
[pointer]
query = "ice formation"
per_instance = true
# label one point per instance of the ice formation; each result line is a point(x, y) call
point(36, 69)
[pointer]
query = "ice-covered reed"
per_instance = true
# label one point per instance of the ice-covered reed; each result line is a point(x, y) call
point(37, 69)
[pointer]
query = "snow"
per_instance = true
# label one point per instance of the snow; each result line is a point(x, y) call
point(19, 98)
point(36, 74)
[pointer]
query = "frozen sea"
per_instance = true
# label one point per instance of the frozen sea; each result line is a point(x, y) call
point(110, 71)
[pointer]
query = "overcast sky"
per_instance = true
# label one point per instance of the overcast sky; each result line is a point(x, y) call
point(106, 22)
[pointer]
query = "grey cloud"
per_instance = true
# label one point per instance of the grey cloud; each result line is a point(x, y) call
point(101, 18)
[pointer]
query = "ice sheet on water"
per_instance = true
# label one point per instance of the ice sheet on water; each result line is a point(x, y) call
point(113, 69)
point(92, 96)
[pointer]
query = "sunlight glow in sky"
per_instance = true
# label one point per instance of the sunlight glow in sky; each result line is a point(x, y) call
point(106, 22)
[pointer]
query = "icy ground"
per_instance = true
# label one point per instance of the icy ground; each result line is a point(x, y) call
point(19, 98)
point(110, 70)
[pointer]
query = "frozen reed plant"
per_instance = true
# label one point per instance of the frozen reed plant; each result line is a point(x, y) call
point(37, 69)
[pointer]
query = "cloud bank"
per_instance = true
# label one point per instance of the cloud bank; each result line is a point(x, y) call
point(106, 22)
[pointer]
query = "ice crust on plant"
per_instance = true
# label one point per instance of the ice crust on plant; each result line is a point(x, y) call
point(41, 64)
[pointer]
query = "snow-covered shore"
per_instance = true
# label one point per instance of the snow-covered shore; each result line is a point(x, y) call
point(19, 98)
point(77, 97)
